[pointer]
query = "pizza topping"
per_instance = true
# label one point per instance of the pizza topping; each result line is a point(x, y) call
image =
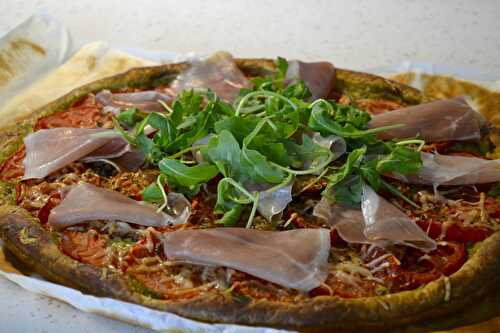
point(85, 202)
point(453, 170)
point(218, 73)
point(146, 101)
point(295, 259)
point(443, 120)
point(319, 76)
point(378, 222)
point(272, 200)
point(87, 247)
point(238, 163)
point(83, 114)
point(50, 150)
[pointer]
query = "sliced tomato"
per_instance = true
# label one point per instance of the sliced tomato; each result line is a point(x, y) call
point(336, 240)
point(84, 114)
point(455, 232)
point(44, 212)
point(13, 167)
point(87, 247)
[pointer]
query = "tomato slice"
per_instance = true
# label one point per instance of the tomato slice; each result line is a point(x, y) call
point(455, 232)
point(44, 212)
point(13, 167)
point(83, 114)
point(87, 247)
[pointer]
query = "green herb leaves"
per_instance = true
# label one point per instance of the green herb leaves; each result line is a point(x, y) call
point(184, 177)
point(270, 135)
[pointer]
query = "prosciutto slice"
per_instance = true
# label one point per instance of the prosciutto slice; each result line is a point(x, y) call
point(319, 76)
point(86, 202)
point(272, 200)
point(146, 101)
point(443, 120)
point(377, 222)
point(48, 150)
point(454, 170)
point(294, 259)
point(218, 73)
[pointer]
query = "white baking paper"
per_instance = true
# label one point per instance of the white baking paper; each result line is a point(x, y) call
point(131, 313)
point(29, 51)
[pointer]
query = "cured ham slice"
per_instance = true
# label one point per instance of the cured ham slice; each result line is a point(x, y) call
point(86, 202)
point(51, 149)
point(295, 259)
point(218, 73)
point(319, 76)
point(146, 101)
point(272, 200)
point(377, 222)
point(443, 120)
point(454, 170)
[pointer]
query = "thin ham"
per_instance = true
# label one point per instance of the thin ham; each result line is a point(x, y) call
point(454, 170)
point(146, 101)
point(48, 150)
point(295, 259)
point(272, 200)
point(319, 76)
point(85, 202)
point(377, 222)
point(450, 119)
point(218, 73)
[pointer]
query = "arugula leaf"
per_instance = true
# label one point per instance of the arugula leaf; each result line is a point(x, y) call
point(401, 160)
point(147, 146)
point(166, 132)
point(307, 155)
point(231, 217)
point(347, 114)
point(224, 151)
point(321, 121)
point(282, 65)
point(130, 117)
point(182, 176)
point(494, 191)
point(239, 127)
point(353, 161)
point(349, 193)
point(152, 193)
point(187, 103)
point(258, 169)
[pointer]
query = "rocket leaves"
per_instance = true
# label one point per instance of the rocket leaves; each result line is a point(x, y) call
point(266, 139)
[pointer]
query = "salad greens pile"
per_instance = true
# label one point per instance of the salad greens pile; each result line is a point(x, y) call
point(271, 135)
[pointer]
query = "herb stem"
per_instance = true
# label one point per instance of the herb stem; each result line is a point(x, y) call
point(123, 132)
point(308, 171)
point(398, 193)
point(184, 151)
point(322, 174)
point(418, 142)
point(163, 194)
point(284, 183)
point(254, 210)
point(262, 93)
point(165, 105)
point(231, 181)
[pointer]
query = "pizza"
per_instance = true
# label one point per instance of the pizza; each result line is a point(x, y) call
point(258, 192)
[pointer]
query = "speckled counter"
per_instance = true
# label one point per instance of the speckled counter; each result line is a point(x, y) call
point(352, 34)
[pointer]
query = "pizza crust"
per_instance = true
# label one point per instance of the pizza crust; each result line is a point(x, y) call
point(440, 304)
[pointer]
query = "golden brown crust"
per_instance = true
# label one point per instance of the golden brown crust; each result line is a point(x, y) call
point(412, 311)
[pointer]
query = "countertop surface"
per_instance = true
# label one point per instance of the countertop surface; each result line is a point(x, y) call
point(352, 34)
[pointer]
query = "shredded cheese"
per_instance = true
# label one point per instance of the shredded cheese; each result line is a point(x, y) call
point(447, 289)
